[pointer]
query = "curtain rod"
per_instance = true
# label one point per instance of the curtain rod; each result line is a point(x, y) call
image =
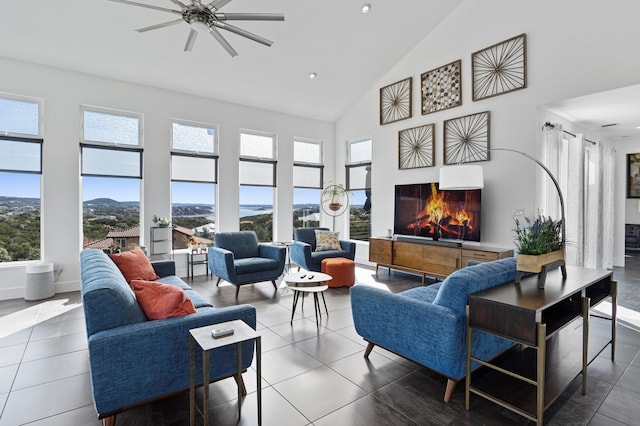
point(548, 124)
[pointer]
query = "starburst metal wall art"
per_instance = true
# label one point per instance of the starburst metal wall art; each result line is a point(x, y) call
point(442, 88)
point(500, 68)
point(395, 101)
point(466, 139)
point(415, 147)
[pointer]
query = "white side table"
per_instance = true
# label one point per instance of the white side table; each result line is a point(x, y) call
point(308, 282)
point(203, 338)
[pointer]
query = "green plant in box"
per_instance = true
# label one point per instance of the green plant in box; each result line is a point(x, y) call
point(540, 236)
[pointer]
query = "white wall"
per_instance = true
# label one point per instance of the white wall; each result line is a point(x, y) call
point(63, 93)
point(574, 47)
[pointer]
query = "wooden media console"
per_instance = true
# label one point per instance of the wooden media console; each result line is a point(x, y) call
point(428, 258)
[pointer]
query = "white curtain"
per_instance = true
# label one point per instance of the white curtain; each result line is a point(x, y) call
point(585, 171)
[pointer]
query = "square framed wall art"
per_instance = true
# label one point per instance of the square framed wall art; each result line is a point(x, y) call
point(633, 175)
point(415, 147)
point(499, 69)
point(441, 88)
point(466, 139)
point(395, 101)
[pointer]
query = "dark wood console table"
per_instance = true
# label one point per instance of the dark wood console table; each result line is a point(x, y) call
point(553, 326)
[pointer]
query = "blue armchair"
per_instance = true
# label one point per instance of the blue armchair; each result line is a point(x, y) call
point(238, 258)
point(427, 324)
point(304, 245)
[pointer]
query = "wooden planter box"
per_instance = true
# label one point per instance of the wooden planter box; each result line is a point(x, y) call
point(534, 263)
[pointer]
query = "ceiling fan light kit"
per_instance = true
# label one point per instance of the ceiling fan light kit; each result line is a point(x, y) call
point(204, 18)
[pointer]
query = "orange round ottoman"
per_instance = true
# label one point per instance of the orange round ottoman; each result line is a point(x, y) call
point(341, 269)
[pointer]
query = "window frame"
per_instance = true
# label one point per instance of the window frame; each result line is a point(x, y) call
point(194, 153)
point(260, 160)
point(23, 139)
point(29, 138)
point(274, 148)
point(311, 165)
point(188, 123)
point(110, 148)
point(40, 103)
point(115, 112)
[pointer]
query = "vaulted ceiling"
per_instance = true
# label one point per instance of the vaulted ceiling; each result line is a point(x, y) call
point(350, 51)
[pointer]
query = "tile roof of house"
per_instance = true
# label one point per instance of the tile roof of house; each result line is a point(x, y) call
point(101, 244)
point(134, 231)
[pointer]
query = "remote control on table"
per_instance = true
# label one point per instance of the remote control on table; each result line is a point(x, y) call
point(221, 332)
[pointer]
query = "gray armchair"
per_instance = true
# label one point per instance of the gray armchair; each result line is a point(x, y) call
point(304, 254)
point(238, 258)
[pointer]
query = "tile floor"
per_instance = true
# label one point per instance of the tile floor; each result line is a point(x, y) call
point(312, 376)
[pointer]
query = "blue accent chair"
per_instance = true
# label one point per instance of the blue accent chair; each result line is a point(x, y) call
point(428, 324)
point(133, 360)
point(238, 258)
point(303, 249)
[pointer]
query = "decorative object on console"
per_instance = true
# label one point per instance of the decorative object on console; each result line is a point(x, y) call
point(415, 147)
point(499, 69)
point(442, 88)
point(466, 139)
point(395, 101)
point(206, 18)
point(633, 175)
point(162, 222)
point(334, 201)
point(471, 177)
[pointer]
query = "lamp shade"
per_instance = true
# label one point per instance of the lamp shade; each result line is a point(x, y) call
point(461, 177)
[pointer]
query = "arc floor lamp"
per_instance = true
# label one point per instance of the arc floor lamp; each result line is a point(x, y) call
point(470, 176)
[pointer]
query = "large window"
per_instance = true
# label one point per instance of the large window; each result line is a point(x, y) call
point(359, 185)
point(20, 178)
point(111, 169)
point(307, 182)
point(257, 183)
point(194, 170)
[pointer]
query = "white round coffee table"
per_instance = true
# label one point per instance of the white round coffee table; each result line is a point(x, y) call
point(308, 282)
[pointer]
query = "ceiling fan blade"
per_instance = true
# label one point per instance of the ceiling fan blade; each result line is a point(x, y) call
point(191, 40)
point(179, 3)
point(217, 4)
point(223, 41)
point(249, 16)
point(243, 33)
point(148, 6)
point(156, 26)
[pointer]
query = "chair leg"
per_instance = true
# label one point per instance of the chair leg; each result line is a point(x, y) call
point(109, 421)
point(274, 284)
point(237, 290)
point(218, 282)
point(448, 392)
point(243, 388)
point(369, 349)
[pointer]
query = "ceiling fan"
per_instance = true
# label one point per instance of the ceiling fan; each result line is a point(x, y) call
point(207, 18)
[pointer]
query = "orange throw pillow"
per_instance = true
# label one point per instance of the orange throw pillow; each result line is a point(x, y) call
point(134, 265)
point(159, 300)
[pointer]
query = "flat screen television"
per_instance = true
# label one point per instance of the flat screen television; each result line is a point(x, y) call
point(421, 210)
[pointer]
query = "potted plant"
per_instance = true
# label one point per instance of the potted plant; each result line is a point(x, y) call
point(162, 222)
point(336, 196)
point(540, 245)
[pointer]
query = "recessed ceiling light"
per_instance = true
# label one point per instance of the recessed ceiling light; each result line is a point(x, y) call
point(366, 8)
point(312, 75)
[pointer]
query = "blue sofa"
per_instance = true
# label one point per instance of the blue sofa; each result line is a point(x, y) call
point(133, 360)
point(239, 258)
point(428, 324)
point(304, 245)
